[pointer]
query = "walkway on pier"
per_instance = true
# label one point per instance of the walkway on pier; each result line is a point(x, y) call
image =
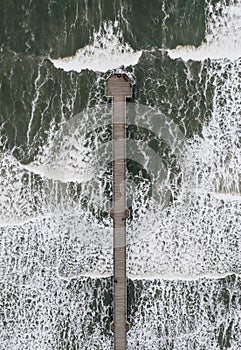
point(118, 87)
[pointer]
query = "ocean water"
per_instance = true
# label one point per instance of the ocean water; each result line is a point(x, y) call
point(183, 173)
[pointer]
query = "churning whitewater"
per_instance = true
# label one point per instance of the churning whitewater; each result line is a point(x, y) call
point(107, 52)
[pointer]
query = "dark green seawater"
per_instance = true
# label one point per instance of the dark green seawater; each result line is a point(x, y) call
point(183, 141)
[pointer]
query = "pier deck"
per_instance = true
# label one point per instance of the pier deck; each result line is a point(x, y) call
point(118, 87)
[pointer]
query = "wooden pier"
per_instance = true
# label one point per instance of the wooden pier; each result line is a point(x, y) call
point(118, 87)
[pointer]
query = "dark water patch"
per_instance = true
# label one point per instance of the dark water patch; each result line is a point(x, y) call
point(33, 95)
point(60, 28)
point(176, 88)
point(165, 24)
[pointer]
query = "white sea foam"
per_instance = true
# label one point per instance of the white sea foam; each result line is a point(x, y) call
point(30, 206)
point(184, 314)
point(199, 234)
point(223, 36)
point(61, 171)
point(105, 53)
point(228, 196)
point(64, 157)
point(181, 277)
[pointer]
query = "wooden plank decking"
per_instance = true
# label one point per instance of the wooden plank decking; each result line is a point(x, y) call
point(118, 87)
